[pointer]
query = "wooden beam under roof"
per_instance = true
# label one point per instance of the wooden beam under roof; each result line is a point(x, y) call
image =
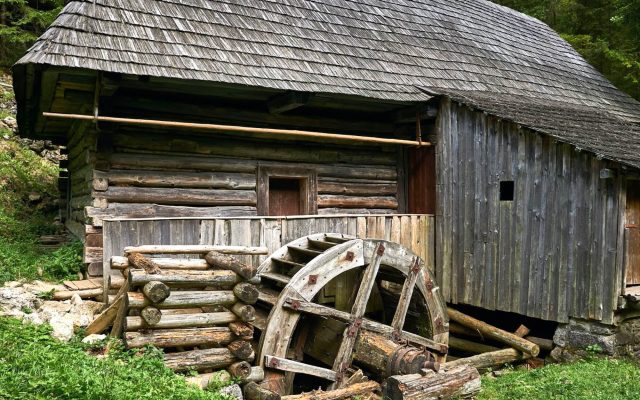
point(288, 101)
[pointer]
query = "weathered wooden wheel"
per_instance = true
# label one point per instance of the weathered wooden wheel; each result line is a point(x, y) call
point(293, 277)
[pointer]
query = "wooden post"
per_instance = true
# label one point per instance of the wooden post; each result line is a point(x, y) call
point(487, 360)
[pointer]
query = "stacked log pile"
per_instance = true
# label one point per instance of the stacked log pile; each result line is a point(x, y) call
point(199, 310)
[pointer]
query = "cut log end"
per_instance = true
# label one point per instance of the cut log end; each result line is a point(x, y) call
point(241, 349)
point(241, 369)
point(151, 315)
point(253, 391)
point(245, 312)
point(156, 291)
point(246, 292)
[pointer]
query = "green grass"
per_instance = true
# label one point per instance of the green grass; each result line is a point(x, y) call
point(594, 379)
point(33, 365)
point(23, 172)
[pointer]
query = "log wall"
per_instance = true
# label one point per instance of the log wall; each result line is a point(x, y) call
point(553, 252)
point(413, 231)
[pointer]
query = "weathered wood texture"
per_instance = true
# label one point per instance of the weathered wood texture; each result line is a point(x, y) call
point(551, 252)
point(415, 232)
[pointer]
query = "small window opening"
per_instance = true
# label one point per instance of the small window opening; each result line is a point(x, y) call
point(506, 190)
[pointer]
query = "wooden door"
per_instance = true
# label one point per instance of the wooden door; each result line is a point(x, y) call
point(632, 231)
point(284, 196)
point(421, 173)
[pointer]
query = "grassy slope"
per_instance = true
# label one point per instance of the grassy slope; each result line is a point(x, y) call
point(596, 379)
point(33, 365)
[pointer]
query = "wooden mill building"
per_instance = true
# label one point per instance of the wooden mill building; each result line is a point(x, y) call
point(467, 131)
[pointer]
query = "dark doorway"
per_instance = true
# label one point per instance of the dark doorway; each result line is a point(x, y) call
point(421, 181)
point(285, 196)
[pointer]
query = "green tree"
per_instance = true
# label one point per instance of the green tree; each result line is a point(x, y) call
point(605, 32)
point(21, 22)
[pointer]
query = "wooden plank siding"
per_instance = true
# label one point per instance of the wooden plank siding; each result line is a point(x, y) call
point(415, 232)
point(181, 174)
point(552, 252)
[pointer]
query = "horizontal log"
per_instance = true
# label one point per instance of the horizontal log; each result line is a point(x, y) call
point(458, 383)
point(242, 329)
point(469, 346)
point(240, 370)
point(122, 211)
point(84, 294)
point(245, 312)
point(182, 311)
point(488, 360)
point(226, 261)
point(216, 379)
point(241, 350)
point(218, 180)
point(199, 359)
point(174, 196)
point(197, 249)
point(494, 333)
point(177, 162)
point(183, 321)
point(351, 391)
point(253, 391)
point(150, 315)
point(184, 277)
point(356, 189)
point(119, 262)
point(545, 344)
point(215, 336)
point(383, 202)
point(335, 211)
point(185, 299)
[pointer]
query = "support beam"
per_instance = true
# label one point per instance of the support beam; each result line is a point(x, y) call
point(237, 129)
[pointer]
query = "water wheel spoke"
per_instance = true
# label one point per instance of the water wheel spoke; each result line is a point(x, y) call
point(298, 367)
point(343, 358)
point(405, 298)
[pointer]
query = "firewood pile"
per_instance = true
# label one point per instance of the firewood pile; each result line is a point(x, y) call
point(199, 310)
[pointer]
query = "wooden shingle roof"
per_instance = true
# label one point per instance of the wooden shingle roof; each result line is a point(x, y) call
point(386, 49)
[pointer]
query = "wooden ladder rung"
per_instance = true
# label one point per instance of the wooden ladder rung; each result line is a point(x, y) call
point(305, 252)
point(335, 239)
point(267, 295)
point(275, 277)
point(286, 263)
point(321, 244)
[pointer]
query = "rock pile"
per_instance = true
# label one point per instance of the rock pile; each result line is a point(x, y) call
point(27, 301)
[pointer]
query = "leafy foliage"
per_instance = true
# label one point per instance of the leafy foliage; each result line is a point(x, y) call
point(33, 365)
point(605, 32)
point(594, 379)
point(21, 22)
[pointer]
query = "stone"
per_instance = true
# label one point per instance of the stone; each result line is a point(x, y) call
point(11, 122)
point(76, 299)
point(93, 338)
point(233, 391)
point(34, 197)
point(62, 327)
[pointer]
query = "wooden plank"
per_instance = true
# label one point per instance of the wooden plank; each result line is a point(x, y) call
point(178, 196)
point(218, 180)
point(297, 367)
point(405, 297)
point(195, 249)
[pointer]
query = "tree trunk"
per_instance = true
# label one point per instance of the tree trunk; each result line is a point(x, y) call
point(217, 336)
point(459, 383)
point(225, 261)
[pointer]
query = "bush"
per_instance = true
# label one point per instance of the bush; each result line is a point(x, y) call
point(23, 260)
point(33, 365)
